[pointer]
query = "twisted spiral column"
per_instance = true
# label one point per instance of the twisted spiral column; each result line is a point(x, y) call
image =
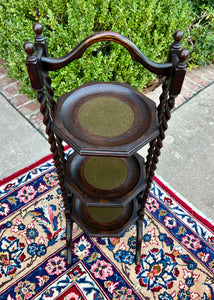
point(52, 104)
point(52, 141)
point(47, 109)
point(159, 144)
point(40, 43)
point(160, 109)
point(153, 155)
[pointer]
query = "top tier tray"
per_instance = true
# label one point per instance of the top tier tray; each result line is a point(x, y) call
point(100, 118)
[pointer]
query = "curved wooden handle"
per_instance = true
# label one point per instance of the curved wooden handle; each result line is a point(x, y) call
point(51, 64)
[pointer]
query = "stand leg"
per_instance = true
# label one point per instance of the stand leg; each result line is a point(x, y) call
point(69, 228)
point(139, 239)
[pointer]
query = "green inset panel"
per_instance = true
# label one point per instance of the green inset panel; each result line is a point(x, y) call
point(105, 173)
point(106, 116)
point(104, 215)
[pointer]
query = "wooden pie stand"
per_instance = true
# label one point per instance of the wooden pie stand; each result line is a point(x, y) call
point(104, 182)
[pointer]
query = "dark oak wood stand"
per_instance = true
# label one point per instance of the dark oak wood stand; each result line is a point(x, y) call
point(104, 182)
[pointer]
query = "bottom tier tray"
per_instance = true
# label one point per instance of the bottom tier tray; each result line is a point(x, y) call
point(105, 181)
point(104, 221)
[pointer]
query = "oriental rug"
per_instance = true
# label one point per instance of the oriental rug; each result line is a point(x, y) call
point(177, 248)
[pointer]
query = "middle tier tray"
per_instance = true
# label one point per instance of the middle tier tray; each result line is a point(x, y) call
point(105, 181)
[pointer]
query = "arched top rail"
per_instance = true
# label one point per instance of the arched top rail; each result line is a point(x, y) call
point(52, 64)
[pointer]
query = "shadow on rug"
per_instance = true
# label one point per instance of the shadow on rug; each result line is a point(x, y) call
point(177, 249)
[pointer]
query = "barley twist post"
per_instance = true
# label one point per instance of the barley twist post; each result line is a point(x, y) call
point(37, 82)
point(40, 42)
point(171, 86)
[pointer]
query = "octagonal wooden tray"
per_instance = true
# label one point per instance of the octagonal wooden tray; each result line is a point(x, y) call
point(105, 118)
point(105, 181)
point(102, 222)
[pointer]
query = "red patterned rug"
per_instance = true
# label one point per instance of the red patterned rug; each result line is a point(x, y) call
point(177, 248)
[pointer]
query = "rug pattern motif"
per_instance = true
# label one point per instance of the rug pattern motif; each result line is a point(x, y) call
point(177, 249)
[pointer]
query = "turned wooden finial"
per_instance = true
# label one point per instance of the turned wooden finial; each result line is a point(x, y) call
point(176, 45)
point(40, 41)
point(178, 36)
point(29, 48)
point(183, 55)
point(37, 28)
